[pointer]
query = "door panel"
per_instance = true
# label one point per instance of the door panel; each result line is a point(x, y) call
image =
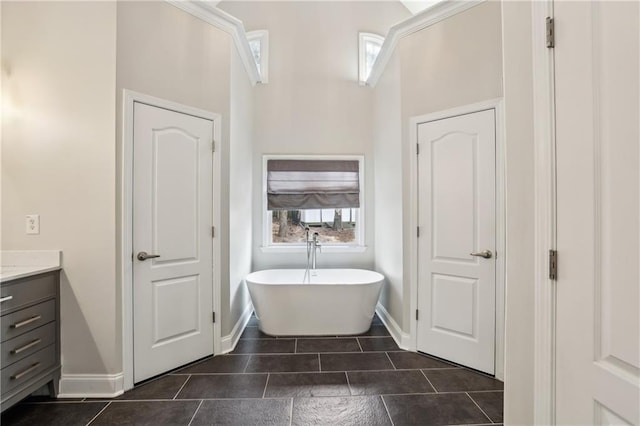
point(456, 213)
point(175, 183)
point(598, 212)
point(176, 309)
point(172, 218)
point(455, 291)
point(453, 161)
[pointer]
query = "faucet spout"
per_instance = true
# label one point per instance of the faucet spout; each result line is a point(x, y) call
point(314, 253)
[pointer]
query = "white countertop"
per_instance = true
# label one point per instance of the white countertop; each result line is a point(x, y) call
point(16, 264)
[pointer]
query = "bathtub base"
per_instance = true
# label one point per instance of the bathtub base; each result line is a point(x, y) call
point(336, 302)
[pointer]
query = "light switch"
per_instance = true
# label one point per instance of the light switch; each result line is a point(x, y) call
point(33, 223)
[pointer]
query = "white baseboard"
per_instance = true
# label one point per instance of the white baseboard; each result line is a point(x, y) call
point(91, 385)
point(230, 341)
point(402, 339)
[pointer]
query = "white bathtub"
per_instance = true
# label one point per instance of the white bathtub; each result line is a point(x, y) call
point(335, 302)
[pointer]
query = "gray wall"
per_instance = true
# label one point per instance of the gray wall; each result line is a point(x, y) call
point(481, 54)
point(387, 151)
point(166, 53)
point(313, 103)
point(518, 100)
point(455, 62)
point(240, 192)
point(58, 161)
point(64, 66)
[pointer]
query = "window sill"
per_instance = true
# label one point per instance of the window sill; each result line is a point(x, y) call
point(303, 249)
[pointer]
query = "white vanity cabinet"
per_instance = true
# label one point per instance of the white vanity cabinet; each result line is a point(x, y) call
point(30, 336)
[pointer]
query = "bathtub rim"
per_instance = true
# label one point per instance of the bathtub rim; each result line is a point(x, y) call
point(378, 277)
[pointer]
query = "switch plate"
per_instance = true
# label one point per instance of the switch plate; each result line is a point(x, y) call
point(33, 223)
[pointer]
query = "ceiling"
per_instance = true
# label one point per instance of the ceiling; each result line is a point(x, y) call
point(414, 6)
point(418, 6)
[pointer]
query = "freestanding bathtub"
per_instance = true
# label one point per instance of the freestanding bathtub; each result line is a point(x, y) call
point(334, 302)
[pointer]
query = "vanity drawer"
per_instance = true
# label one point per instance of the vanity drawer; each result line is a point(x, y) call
point(32, 366)
point(15, 349)
point(27, 319)
point(22, 292)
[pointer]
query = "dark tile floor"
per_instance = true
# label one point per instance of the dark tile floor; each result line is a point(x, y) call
point(355, 380)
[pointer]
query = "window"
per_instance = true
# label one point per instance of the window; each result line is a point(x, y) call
point(259, 44)
point(369, 47)
point(322, 193)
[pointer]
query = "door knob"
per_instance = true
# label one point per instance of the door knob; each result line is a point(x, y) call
point(484, 253)
point(143, 255)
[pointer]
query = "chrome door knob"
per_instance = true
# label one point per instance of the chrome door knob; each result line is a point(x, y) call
point(487, 254)
point(143, 255)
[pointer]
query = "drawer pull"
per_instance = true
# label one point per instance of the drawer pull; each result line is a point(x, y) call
point(26, 322)
point(5, 298)
point(25, 347)
point(25, 372)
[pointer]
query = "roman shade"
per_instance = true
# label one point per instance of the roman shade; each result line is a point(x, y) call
point(312, 184)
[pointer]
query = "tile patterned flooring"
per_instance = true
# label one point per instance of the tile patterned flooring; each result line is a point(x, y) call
point(354, 380)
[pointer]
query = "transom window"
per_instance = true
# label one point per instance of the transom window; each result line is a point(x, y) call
point(322, 193)
point(259, 44)
point(368, 50)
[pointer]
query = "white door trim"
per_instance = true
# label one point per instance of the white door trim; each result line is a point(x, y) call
point(126, 219)
point(545, 216)
point(497, 105)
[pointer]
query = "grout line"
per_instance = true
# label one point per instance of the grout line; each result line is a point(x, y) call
point(386, 409)
point(348, 383)
point(266, 383)
point(369, 337)
point(61, 401)
point(319, 363)
point(359, 345)
point(100, 412)
point(425, 376)
point(295, 347)
point(291, 413)
point(265, 372)
point(133, 401)
point(266, 353)
point(307, 353)
point(394, 366)
point(440, 368)
point(244, 370)
point(472, 400)
point(181, 387)
point(196, 412)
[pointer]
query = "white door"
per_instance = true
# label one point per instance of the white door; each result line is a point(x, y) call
point(456, 215)
point(598, 212)
point(172, 219)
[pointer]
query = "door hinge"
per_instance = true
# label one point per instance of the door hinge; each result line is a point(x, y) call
point(214, 317)
point(553, 265)
point(551, 33)
point(213, 146)
point(213, 231)
point(418, 231)
point(416, 315)
point(417, 149)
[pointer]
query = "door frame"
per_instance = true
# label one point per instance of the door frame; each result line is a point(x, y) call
point(497, 105)
point(544, 122)
point(125, 213)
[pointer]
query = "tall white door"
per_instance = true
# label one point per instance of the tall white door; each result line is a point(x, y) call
point(456, 245)
point(597, 79)
point(172, 219)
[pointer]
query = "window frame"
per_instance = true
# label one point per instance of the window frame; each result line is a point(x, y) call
point(263, 66)
point(363, 39)
point(268, 246)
